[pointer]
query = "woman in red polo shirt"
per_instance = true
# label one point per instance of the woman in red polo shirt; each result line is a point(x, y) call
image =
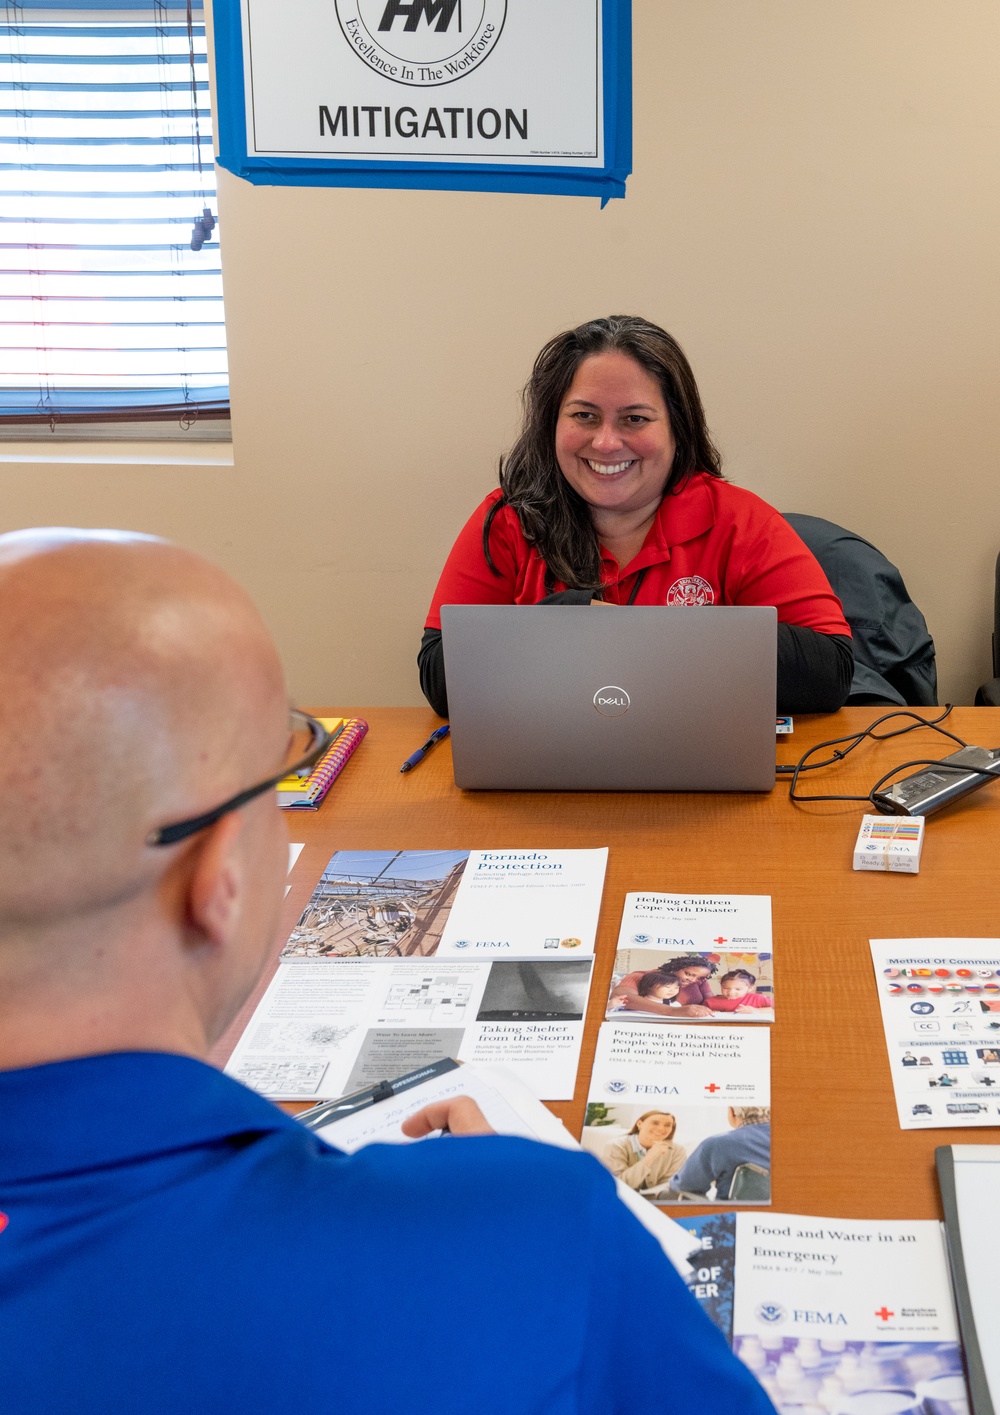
point(614, 491)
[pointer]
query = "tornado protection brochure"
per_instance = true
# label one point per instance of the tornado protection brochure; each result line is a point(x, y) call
point(402, 958)
point(682, 1115)
point(940, 1001)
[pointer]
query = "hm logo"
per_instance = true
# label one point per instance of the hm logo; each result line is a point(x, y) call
point(440, 10)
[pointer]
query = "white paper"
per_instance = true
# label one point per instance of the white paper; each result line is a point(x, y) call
point(977, 1185)
point(294, 851)
point(729, 935)
point(703, 1078)
point(425, 81)
point(827, 1308)
point(527, 901)
point(510, 1109)
point(329, 1026)
point(940, 1001)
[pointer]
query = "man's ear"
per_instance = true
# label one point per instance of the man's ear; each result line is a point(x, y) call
point(216, 884)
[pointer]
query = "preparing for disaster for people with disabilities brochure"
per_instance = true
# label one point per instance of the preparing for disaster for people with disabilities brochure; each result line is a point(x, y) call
point(940, 1001)
point(728, 934)
point(835, 1316)
point(403, 957)
point(682, 1114)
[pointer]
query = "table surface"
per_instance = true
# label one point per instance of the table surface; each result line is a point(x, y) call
point(838, 1150)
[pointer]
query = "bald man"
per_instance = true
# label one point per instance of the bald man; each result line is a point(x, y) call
point(170, 1241)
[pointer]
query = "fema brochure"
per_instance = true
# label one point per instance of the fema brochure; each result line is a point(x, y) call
point(834, 1315)
point(694, 958)
point(824, 1309)
point(682, 1115)
point(329, 1026)
point(940, 1001)
point(470, 903)
point(402, 957)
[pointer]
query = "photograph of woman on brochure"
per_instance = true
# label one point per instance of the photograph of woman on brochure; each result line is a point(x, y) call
point(701, 1154)
point(653, 985)
point(379, 904)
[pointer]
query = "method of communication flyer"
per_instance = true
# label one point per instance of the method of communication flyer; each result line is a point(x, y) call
point(940, 1001)
point(682, 1115)
point(470, 903)
point(694, 957)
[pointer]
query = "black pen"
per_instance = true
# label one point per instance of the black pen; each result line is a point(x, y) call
point(421, 752)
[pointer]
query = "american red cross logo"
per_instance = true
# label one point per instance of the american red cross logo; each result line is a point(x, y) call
point(712, 1088)
point(720, 941)
point(884, 1313)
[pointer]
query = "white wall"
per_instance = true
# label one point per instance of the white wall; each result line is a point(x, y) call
point(814, 213)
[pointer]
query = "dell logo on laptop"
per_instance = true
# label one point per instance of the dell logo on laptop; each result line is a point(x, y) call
point(611, 701)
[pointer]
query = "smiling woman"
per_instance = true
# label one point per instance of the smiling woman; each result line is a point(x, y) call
point(614, 492)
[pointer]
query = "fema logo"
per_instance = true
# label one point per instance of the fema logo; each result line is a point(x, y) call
point(617, 1088)
point(640, 938)
point(422, 43)
point(771, 1313)
point(461, 943)
point(692, 590)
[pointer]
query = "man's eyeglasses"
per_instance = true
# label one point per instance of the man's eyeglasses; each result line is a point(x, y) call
point(308, 739)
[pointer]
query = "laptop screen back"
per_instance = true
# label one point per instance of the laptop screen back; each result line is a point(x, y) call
point(596, 698)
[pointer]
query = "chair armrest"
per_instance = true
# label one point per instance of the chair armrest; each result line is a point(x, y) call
point(989, 694)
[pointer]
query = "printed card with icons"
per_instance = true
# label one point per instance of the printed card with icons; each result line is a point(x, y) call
point(683, 1114)
point(940, 1001)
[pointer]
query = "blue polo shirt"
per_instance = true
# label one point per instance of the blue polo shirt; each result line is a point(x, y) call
point(176, 1245)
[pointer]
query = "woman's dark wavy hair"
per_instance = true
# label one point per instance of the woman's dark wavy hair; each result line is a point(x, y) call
point(554, 518)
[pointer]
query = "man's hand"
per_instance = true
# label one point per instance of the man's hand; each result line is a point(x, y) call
point(460, 1116)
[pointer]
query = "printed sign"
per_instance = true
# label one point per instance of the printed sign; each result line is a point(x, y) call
point(500, 95)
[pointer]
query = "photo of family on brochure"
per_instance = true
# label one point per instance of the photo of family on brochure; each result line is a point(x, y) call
point(654, 985)
point(685, 1154)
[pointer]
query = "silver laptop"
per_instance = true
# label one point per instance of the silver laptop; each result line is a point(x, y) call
point(593, 698)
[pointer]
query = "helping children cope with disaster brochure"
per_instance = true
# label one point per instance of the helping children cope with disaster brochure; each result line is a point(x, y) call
point(403, 957)
point(682, 1114)
point(834, 1316)
point(940, 1001)
point(694, 957)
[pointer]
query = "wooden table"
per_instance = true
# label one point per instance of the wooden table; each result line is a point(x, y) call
point(838, 1150)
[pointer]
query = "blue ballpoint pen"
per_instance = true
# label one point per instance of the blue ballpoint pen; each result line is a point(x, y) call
point(421, 752)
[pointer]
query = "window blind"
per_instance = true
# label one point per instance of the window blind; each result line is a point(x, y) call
point(106, 183)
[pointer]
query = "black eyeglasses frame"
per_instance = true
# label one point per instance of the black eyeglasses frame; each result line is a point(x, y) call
point(181, 830)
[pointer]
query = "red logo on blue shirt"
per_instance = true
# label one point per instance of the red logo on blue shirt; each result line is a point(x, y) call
point(4, 1221)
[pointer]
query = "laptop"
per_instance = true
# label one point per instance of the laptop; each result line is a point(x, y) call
point(592, 698)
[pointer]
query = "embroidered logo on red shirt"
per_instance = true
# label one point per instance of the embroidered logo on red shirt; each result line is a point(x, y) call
point(691, 590)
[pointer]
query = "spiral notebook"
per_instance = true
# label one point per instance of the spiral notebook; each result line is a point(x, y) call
point(304, 793)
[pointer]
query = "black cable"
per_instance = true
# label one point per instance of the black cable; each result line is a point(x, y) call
point(856, 738)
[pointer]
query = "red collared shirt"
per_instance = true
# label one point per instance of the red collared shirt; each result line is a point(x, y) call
point(711, 543)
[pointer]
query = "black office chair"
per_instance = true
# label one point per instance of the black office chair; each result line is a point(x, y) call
point(751, 1185)
point(893, 650)
point(988, 695)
